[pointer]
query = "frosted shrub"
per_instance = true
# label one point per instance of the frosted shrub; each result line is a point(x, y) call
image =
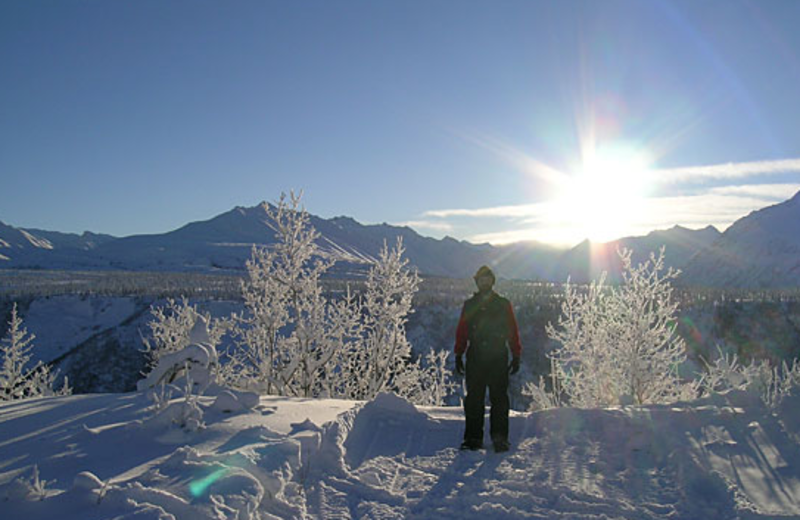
point(17, 381)
point(259, 331)
point(426, 384)
point(775, 383)
point(542, 398)
point(160, 396)
point(619, 344)
point(171, 328)
point(377, 356)
point(197, 359)
point(771, 383)
point(189, 415)
point(584, 360)
point(32, 488)
point(726, 373)
point(387, 303)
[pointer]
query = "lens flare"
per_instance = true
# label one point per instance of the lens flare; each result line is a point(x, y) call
point(199, 487)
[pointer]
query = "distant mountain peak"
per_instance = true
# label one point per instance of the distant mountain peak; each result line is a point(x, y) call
point(343, 219)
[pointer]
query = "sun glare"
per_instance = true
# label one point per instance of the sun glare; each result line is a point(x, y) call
point(606, 199)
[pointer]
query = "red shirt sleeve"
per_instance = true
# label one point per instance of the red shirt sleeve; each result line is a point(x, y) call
point(513, 333)
point(461, 333)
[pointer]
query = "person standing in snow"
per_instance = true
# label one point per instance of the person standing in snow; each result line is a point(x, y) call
point(486, 331)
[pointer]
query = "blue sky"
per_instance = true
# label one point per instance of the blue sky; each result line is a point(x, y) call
point(486, 121)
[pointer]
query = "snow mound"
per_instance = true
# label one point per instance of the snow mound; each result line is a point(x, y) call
point(86, 480)
point(231, 401)
point(389, 425)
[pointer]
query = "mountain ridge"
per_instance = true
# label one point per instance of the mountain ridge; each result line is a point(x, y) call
point(761, 249)
point(742, 256)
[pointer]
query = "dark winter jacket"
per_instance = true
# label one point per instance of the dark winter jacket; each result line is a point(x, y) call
point(486, 326)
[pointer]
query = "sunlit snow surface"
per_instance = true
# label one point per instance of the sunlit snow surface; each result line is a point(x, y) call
point(722, 457)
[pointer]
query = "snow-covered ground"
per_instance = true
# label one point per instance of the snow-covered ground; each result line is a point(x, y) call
point(106, 456)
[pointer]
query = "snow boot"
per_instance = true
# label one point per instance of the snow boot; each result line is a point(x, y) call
point(472, 444)
point(501, 445)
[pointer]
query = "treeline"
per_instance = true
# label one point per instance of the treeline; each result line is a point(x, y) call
point(22, 285)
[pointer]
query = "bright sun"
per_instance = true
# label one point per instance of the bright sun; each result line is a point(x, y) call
point(606, 199)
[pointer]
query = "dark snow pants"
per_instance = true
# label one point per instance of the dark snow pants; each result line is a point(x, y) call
point(483, 374)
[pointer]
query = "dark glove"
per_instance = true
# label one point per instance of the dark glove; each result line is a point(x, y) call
point(460, 364)
point(513, 368)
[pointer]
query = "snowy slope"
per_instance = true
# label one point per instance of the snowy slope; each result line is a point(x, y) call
point(719, 458)
point(61, 323)
point(759, 250)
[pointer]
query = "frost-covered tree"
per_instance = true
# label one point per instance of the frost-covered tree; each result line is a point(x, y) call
point(619, 344)
point(17, 379)
point(584, 360)
point(296, 340)
point(380, 359)
point(259, 329)
point(372, 364)
point(291, 331)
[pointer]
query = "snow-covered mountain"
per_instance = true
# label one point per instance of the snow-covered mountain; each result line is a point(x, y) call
point(588, 260)
point(759, 250)
point(225, 242)
point(15, 242)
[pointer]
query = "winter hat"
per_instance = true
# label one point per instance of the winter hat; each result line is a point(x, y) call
point(484, 270)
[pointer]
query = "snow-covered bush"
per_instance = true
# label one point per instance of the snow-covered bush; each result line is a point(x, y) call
point(192, 368)
point(197, 362)
point(541, 397)
point(33, 488)
point(171, 328)
point(619, 345)
point(726, 373)
point(17, 381)
point(378, 358)
point(771, 383)
point(428, 383)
